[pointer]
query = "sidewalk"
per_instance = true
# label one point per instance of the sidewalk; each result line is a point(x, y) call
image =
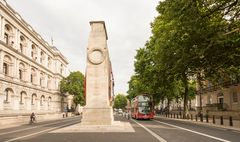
point(210, 124)
point(4, 124)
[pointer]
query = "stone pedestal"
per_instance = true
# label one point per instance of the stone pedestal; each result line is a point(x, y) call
point(98, 110)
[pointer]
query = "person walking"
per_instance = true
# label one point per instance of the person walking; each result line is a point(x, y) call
point(32, 118)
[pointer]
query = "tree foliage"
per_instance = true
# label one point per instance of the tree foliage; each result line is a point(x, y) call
point(189, 39)
point(120, 101)
point(74, 85)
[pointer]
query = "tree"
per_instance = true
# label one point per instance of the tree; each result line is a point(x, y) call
point(120, 101)
point(189, 38)
point(74, 85)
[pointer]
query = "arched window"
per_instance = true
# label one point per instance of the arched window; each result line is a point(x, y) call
point(22, 97)
point(33, 100)
point(49, 62)
point(22, 44)
point(6, 95)
point(41, 79)
point(21, 71)
point(34, 52)
point(33, 76)
point(7, 61)
point(49, 82)
point(42, 57)
point(42, 100)
point(5, 68)
point(49, 101)
point(8, 32)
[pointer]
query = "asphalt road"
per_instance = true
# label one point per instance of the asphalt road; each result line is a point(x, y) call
point(163, 130)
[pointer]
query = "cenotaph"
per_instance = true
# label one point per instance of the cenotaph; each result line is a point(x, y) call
point(98, 109)
point(98, 114)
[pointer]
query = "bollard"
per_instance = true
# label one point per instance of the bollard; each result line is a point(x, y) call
point(213, 117)
point(191, 117)
point(196, 117)
point(174, 115)
point(221, 120)
point(230, 121)
point(177, 115)
point(166, 114)
point(63, 115)
point(171, 115)
point(201, 117)
point(207, 118)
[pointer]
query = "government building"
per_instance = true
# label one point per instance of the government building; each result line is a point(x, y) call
point(30, 69)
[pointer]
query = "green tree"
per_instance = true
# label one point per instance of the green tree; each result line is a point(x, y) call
point(120, 101)
point(189, 38)
point(74, 85)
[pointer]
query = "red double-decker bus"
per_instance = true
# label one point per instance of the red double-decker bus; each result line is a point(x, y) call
point(142, 107)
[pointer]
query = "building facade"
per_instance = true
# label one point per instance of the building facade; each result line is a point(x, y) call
point(222, 97)
point(30, 69)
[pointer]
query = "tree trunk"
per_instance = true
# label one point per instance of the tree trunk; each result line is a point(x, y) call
point(200, 92)
point(185, 102)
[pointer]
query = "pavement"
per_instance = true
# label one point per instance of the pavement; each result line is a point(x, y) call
point(117, 126)
point(200, 123)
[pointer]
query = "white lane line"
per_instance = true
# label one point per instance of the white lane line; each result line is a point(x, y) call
point(151, 132)
point(47, 130)
point(31, 127)
point(223, 140)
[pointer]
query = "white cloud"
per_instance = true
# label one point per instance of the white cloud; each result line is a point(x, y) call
point(67, 21)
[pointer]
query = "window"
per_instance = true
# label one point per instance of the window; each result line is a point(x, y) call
point(34, 96)
point(49, 82)
point(49, 62)
point(33, 52)
point(7, 62)
point(42, 100)
point(61, 69)
point(20, 74)
point(7, 33)
point(49, 101)
point(235, 97)
point(21, 48)
point(5, 68)
point(21, 97)
point(6, 39)
point(6, 95)
point(41, 79)
point(31, 78)
point(42, 57)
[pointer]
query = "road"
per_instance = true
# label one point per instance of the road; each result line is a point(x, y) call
point(156, 130)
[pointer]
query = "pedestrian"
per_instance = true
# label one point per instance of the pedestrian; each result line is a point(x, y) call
point(32, 118)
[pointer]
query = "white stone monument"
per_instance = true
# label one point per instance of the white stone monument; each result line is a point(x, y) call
point(98, 109)
point(98, 114)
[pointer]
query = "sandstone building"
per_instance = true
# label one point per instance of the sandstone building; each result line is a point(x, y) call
point(30, 69)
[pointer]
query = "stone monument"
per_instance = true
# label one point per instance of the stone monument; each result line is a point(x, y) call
point(99, 82)
point(98, 113)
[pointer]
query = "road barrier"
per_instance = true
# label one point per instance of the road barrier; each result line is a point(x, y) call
point(221, 120)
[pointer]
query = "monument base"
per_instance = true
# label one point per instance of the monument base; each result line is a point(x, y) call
point(97, 116)
point(117, 126)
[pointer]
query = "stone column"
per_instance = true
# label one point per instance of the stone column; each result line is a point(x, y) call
point(1, 62)
point(2, 28)
point(97, 110)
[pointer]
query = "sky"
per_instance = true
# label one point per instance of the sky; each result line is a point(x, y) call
point(67, 23)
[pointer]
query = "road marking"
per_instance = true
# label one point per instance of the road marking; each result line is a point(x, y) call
point(223, 140)
point(151, 132)
point(47, 130)
point(32, 127)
